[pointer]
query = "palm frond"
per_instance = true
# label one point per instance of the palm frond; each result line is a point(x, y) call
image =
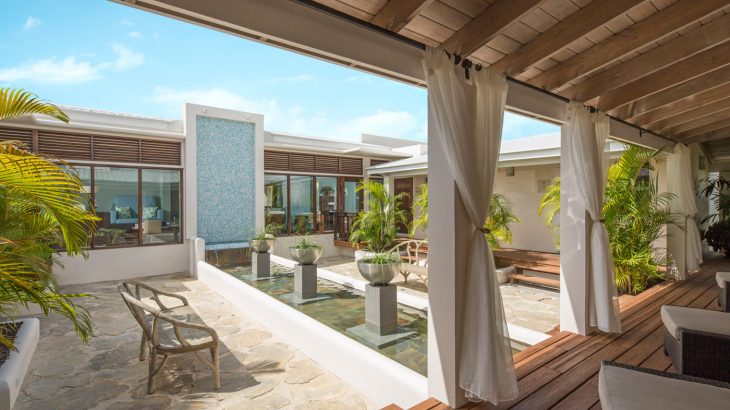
point(18, 102)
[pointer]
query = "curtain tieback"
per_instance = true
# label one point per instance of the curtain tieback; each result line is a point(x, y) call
point(599, 221)
point(484, 230)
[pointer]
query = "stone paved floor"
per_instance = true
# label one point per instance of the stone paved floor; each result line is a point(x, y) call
point(532, 307)
point(258, 371)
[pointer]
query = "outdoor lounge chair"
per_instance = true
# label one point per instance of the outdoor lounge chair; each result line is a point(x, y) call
point(169, 331)
point(414, 258)
point(626, 387)
point(723, 289)
point(697, 341)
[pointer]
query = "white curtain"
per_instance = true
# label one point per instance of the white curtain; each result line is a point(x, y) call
point(588, 138)
point(468, 115)
point(680, 182)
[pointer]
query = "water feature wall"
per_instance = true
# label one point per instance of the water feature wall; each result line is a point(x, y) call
point(226, 179)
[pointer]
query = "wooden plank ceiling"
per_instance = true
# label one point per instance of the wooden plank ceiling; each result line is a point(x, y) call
point(663, 65)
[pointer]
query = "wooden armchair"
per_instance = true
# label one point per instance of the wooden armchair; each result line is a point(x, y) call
point(169, 331)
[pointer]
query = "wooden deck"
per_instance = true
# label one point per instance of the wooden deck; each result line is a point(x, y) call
point(562, 372)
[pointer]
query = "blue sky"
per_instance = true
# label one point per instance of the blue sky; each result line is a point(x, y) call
point(101, 55)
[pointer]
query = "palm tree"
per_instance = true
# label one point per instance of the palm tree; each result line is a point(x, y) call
point(378, 226)
point(420, 210)
point(549, 210)
point(499, 220)
point(634, 213)
point(41, 206)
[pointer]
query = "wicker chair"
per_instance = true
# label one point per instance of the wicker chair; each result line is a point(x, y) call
point(723, 290)
point(626, 387)
point(697, 341)
point(414, 257)
point(169, 331)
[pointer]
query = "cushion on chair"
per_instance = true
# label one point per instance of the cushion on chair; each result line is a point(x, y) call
point(167, 333)
point(676, 317)
point(722, 279)
point(627, 389)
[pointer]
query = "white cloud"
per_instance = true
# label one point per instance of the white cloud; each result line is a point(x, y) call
point(69, 70)
point(126, 59)
point(295, 119)
point(31, 22)
point(126, 23)
point(135, 35)
point(53, 71)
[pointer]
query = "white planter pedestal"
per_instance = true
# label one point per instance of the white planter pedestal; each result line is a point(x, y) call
point(13, 371)
point(381, 318)
point(305, 285)
point(260, 265)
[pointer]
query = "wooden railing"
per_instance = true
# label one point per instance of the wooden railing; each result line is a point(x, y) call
point(343, 225)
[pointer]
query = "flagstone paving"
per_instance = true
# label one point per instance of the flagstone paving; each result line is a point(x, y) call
point(258, 371)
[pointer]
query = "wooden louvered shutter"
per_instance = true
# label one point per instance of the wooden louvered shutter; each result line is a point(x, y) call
point(65, 146)
point(22, 135)
point(303, 163)
point(116, 149)
point(161, 152)
point(351, 166)
point(276, 161)
point(329, 165)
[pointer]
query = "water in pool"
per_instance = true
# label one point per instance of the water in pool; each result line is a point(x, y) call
point(344, 309)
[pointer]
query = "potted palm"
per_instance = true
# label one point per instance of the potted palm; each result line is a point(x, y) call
point(378, 228)
point(263, 240)
point(42, 206)
point(305, 251)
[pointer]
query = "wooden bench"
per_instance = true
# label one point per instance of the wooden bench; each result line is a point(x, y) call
point(522, 260)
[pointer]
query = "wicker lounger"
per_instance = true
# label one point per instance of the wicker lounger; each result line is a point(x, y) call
point(169, 331)
point(697, 341)
point(723, 290)
point(626, 387)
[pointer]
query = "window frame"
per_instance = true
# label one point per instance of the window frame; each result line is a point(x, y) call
point(139, 168)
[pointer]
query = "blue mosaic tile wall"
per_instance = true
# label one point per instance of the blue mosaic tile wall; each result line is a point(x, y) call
point(226, 179)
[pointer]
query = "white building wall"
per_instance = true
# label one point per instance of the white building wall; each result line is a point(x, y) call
point(522, 191)
point(122, 263)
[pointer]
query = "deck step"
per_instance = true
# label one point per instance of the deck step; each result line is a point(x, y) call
point(535, 280)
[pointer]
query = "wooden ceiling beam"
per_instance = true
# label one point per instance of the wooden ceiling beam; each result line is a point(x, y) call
point(705, 129)
point(709, 60)
point(696, 123)
point(673, 94)
point(679, 48)
point(680, 106)
point(487, 25)
point(652, 28)
point(562, 34)
point(690, 115)
point(396, 14)
point(718, 134)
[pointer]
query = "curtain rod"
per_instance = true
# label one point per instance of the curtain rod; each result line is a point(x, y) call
point(466, 63)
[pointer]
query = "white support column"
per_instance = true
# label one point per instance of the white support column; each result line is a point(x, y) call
point(574, 252)
point(448, 229)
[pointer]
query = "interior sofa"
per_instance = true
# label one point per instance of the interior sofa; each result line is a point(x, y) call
point(130, 201)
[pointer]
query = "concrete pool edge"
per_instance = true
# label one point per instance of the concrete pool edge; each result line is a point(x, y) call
point(380, 379)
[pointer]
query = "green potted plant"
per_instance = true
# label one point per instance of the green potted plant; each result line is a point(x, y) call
point(305, 251)
point(263, 239)
point(377, 228)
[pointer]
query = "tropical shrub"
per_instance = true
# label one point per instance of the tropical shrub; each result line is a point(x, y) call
point(715, 187)
point(306, 243)
point(498, 222)
point(378, 226)
point(634, 213)
point(718, 236)
point(42, 209)
point(549, 210)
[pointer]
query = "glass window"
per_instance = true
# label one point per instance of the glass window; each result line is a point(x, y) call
point(275, 209)
point(326, 202)
point(160, 206)
point(83, 172)
point(117, 204)
point(302, 204)
point(351, 200)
